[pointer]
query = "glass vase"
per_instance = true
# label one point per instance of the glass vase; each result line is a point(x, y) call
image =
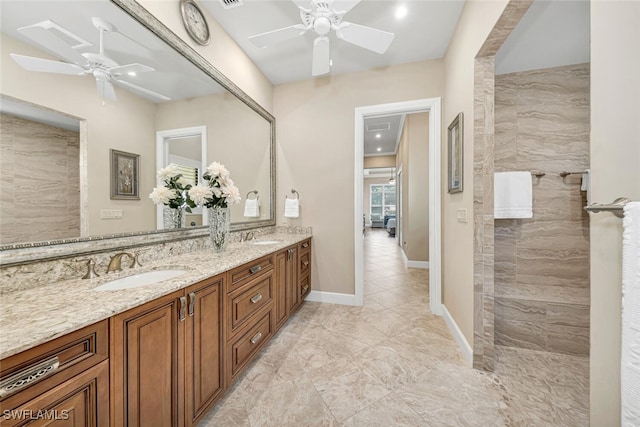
point(173, 218)
point(219, 222)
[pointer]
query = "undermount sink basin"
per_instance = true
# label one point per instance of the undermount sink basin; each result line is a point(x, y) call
point(137, 280)
point(265, 242)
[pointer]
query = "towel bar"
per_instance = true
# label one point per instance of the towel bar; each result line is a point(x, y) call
point(615, 207)
point(252, 192)
point(293, 192)
point(565, 174)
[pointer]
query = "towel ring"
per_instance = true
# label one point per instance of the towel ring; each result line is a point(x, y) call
point(293, 192)
point(253, 192)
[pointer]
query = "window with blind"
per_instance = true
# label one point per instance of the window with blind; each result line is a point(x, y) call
point(383, 201)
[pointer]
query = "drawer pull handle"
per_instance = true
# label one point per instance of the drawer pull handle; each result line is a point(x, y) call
point(183, 308)
point(256, 338)
point(255, 269)
point(192, 303)
point(28, 376)
point(256, 298)
point(305, 288)
point(305, 263)
point(305, 245)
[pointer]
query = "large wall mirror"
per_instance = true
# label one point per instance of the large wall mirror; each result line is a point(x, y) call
point(62, 121)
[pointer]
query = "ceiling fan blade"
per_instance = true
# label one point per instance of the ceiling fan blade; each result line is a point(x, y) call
point(369, 38)
point(40, 34)
point(277, 36)
point(47, 65)
point(320, 56)
point(106, 90)
point(304, 4)
point(344, 6)
point(143, 90)
point(130, 68)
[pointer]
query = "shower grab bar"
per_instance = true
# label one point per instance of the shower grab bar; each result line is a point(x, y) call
point(614, 207)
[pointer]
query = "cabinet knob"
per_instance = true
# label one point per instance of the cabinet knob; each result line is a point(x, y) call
point(305, 245)
point(305, 263)
point(256, 338)
point(256, 298)
point(255, 269)
point(305, 288)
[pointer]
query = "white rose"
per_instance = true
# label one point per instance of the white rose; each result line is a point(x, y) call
point(184, 181)
point(216, 170)
point(200, 193)
point(168, 172)
point(162, 195)
point(232, 194)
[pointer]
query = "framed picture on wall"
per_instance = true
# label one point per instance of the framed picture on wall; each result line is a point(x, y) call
point(124, 175)
point(455, 154)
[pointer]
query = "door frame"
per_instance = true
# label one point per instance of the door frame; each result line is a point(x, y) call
point(433, 107)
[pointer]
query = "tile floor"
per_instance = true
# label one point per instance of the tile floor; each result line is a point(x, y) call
point(392, 363)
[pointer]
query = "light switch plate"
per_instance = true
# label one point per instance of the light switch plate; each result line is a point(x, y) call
point(111, 214)
point(461, 215)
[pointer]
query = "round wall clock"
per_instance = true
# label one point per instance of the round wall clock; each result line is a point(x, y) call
point(195, 22)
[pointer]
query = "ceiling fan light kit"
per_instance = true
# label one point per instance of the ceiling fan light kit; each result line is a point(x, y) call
point(322, 17)
point(66, 46)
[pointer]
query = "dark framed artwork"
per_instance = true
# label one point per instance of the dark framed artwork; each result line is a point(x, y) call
point(124, 175)
point(455, 149)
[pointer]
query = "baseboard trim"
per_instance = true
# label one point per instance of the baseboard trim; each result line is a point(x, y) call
point(414, 264)
point(463, 344)
point(331, 298)
point(418, 264)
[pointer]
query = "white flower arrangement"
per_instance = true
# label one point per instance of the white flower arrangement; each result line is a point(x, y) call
point(219, 191)
point(175, 192)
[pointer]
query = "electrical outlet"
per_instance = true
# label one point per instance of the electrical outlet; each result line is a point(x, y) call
point(461, 215)
point(111, 214)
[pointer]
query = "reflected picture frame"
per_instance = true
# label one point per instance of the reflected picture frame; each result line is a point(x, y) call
point(125, 172)
point(455, 153)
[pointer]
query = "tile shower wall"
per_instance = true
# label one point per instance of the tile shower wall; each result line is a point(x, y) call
point(39, 170)
point(542, 264)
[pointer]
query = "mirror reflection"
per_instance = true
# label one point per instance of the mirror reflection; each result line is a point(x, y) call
point(77, 86)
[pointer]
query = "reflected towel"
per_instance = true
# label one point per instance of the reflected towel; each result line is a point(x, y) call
point(512, 195)
point(630, 361)
point(252, 208)
point(291, 208)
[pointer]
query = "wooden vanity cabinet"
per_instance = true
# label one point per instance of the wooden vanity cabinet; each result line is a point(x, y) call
point(303, 279)
point(166, 358)
point(64, 382)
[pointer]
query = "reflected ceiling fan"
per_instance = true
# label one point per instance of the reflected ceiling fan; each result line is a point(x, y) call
point(322, 17)
point(64, 44)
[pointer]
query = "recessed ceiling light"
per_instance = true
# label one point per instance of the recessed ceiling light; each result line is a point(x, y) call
point(378, 135)
point(379, 149)
point(401, 11)
point(331, 63)
point(132, 73)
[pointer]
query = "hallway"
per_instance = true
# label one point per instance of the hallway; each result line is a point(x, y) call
point(391, 363)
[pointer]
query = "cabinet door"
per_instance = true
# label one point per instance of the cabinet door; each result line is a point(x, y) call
point(280, 303)
point(147, 365)
point(292, 280)
point(82, 401)
point(203, 352)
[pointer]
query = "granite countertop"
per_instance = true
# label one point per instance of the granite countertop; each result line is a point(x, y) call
point(34, 316)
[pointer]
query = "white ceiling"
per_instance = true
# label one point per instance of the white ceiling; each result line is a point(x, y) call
point(424, 33)
point(389, 129)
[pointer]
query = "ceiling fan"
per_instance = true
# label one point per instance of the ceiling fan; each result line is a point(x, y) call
point(64, 44)
point(322, 17)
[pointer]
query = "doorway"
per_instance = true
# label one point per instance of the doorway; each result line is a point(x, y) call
point(433, 107)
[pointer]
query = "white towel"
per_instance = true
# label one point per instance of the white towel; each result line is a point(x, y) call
point(630, 361)
point(291, 208)
point(512, 195)
point(252, 208)
point(586, 185)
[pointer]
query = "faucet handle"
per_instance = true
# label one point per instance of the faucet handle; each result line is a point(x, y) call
point(135, 259)
point(91, 268)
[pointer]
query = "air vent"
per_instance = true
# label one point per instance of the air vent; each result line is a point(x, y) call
point(377, 127)
point(230, 4)
point(72, 40)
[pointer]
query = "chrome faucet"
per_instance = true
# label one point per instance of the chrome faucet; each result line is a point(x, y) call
point(115, 264)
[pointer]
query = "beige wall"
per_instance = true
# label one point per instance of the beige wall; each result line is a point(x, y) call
point(134, 133)
point(379, 162)
point(40, 176)
point(413, 158)
point(615, 156)
point(315, 121)
point(475, 23)
point(223, 53)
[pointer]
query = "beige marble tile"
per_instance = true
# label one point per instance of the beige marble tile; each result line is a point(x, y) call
point(388, 411)
point(568, 315)
point(521, 334)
